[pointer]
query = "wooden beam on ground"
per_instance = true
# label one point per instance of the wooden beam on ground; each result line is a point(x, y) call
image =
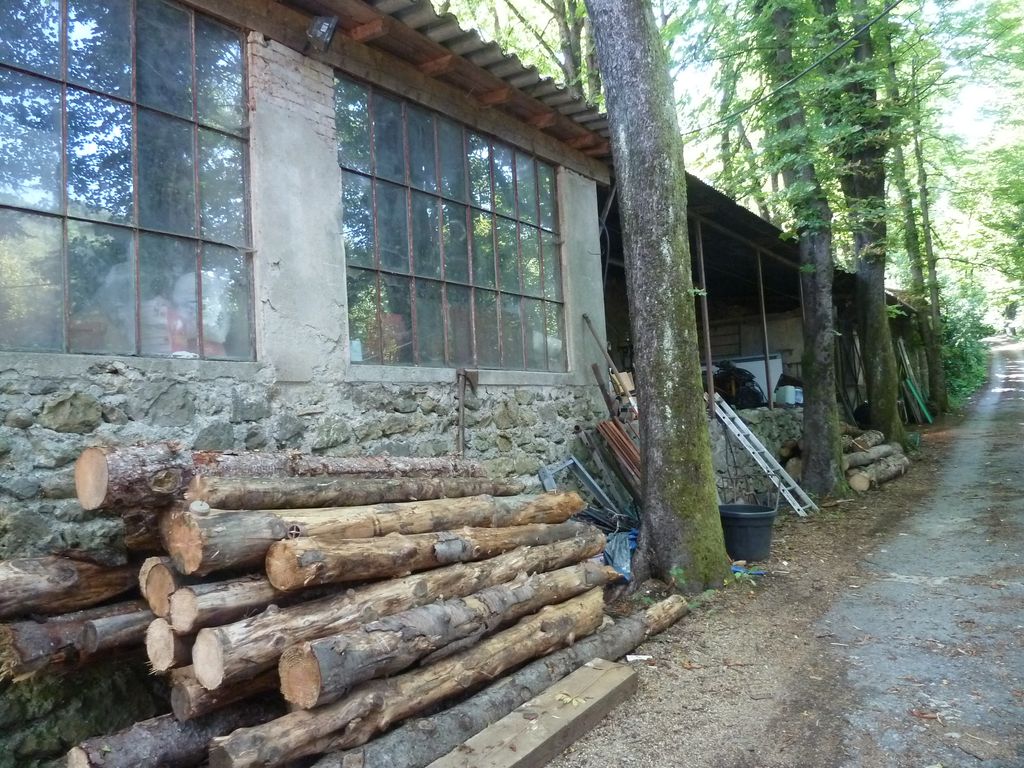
point(541, 729)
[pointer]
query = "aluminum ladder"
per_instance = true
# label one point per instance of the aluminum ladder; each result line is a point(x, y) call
point(791, 492)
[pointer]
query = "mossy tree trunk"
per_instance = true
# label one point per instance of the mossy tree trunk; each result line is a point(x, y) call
point(681, 532)
point(822, 452)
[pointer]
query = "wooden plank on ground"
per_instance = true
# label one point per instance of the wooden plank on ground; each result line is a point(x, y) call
point(543, 727)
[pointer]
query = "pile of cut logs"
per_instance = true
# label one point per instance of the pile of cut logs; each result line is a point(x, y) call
point(359, 591)
point(868, 460)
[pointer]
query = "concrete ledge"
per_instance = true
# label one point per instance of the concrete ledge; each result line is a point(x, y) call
point(58, 364)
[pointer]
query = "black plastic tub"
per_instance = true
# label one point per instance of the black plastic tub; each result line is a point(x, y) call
point(748, 530)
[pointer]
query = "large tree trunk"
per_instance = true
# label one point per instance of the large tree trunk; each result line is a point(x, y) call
point(228, 654)
point(681, 530)
point(299, 563)
point(164, 742)
point(821, 470)
point(418, 743)
point(374, 706)
point(321, 671)
point(308, 492)
point(28, 646)
point(190, 700)
point(51, 585)
point(202, 540)
point(133, 476)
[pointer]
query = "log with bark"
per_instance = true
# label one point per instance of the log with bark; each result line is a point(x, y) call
point(208, 605)
point(881, 471)
point(795, 468)
point(162, 581)
point(30, 645)
point(863, 441)
point(202, 540)
point(374, 706)
point(418, 743)
point(149, 564)
point(190, 700)
point(318, 672)
point(156, 473)
point(309, 492)
point(789, 449)
point(298, 563)
point(121, 630)
point(165, 648)
point(871, 455)
point(51, 585)
point(235, 652)
point(164, 742)
point(142, 529)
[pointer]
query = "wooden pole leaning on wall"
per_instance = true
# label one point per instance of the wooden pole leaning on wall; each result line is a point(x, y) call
point(709, 374)
point(764, 334)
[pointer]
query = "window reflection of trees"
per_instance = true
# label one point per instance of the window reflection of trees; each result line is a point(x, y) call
point(485, 286)
point(129, 290)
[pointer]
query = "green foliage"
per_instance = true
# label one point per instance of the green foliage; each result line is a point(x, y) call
point(964, 354)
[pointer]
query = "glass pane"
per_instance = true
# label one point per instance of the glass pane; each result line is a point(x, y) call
point(511, 332)
point(487, 329)
point(460, 325)
point(508, 256)
point(218, 75)
point(99, 157)
point(453, 160)
point(164, 57)
point(30, 128)
point(555, 324)
point(100, 45)
point(357, 219)
point(227, 327)
point(548, 198)
point(30, 35)
point(480, 171)
point(167, 197)
point(169, 311)
point(526, 186)
point(101, 289)
point(352, 119)
point(504, 183)
point(429, 323)
point(363, 332)
point(426, 244)
point(483, 249)
point(222, 187)
point(396, 319)
point(552, 254)
point(456, 242)
point(422, 168)
point(536, 358)
point(388, 139)
point(31, 286)
point(529, 252)
point(392, 231)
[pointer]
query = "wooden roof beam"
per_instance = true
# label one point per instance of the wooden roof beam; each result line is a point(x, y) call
point(364, 33)
point(543, 120)
point(439, 66)
point(495, 97)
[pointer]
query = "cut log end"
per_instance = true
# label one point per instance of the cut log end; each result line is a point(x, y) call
point(301, 681)
point(91, 478)
point(208, 660)
point(78, 758)
point(163, 647)
point(160, 585)
point(183, 543)
point(183, 608)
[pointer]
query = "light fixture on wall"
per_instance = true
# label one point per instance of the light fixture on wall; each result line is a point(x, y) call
point(321, 32)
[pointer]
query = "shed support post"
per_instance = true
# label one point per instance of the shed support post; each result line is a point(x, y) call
point(764, 333)
point(709, 375)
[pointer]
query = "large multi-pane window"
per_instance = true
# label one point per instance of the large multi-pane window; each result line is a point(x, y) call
point(451, 241)
point(123, 225)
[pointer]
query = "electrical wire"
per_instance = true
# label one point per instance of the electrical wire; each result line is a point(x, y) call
point(807, 70)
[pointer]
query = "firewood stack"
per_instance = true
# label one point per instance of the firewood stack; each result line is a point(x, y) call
point(360, 591)
point(868, 460)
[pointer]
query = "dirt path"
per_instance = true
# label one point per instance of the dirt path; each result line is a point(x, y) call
point(890, 631)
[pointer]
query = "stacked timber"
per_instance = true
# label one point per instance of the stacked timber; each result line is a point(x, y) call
point(868, 460)
point(356, 592)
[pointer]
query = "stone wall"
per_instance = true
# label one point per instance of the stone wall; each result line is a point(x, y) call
point(740, 480)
